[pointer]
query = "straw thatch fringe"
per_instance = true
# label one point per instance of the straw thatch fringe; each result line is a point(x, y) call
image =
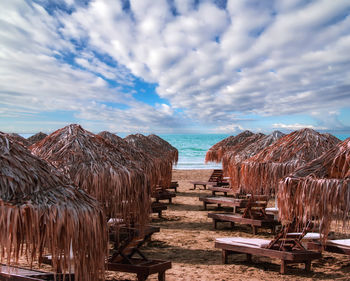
point(161, 159)
point(35, 138)
point(216, 152)
point(233, 160)
point(143, 159)
point(101, 169)
point(39, 209)
point(320, 189)
point(263, 171)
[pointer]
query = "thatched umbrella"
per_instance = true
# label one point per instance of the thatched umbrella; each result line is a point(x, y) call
point(262, 172)
point(319, 190)
point(101, 169)
point(37, 137)
point(40, 208)
point(135, 154)
point(161, 159)
point(21, 140)
point(216, 152)
point(167, 147)
point(249, 147)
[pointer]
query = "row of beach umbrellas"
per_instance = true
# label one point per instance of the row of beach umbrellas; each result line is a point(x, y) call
point(309, 172)
point(59, 192)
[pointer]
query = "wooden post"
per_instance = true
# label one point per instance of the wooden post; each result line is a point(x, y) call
point(249, 258)
point(283, 267)
point(308, 265)
point(224, 255)
point(161, 276)
point(141, 276)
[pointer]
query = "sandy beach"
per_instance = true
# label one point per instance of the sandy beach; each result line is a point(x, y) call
point(187, 239)
point(187, 236)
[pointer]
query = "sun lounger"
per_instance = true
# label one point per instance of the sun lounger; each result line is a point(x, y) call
point(216, 179)
point(254, 215)
point(225, 201)
point(339, 246)
point(127, 245)
point(158, 207)
point(173, 185)
point(162, 194)
point(15, 273)
point(266, 248)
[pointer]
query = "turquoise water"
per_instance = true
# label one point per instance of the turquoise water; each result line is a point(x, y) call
point(192, 148)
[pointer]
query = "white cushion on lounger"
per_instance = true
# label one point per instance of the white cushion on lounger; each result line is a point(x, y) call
point(114, 221)
point(241, 241)
point(308, 236)
point(340, 242)
point(271, 210)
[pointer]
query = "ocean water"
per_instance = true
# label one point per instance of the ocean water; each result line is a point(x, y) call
point(192, 149)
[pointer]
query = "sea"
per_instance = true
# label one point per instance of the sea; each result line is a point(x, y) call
point(193, 147)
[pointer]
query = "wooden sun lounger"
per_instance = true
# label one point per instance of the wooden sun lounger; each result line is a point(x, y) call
point(15, 273)
point(162, 194)
point(254, 215)
point(226, 201)
point(262, 247)
point(236, 218)
point(216, 179)
point(341, 246)
point(173, 185)
point(127, 245)
point(158, 207)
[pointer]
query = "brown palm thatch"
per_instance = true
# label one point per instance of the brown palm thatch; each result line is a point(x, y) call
point(161, 159)
point(136, 155)
point(262, 172)
point(320, 189)
point(21, 140)
point(101, 169)
point(251, 146)
point(40, 208)
point(37, 137)
point(168, 148)
point(216, 152)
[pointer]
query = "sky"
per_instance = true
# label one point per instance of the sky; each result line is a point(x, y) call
point(175, 66)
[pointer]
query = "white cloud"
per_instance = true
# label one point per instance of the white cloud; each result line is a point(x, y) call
point(254, 57)
point(296, 126)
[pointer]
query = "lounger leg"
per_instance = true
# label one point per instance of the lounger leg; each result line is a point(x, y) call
point(308, 265)
point(224, 255)
point(283, 267)
point(234, 209)
point(159, 214)
point(232, 224)
point(141, 276)
point(161, 276)
point(170, 200)
point(254, 228)
point(205, 205)
point(215, 223)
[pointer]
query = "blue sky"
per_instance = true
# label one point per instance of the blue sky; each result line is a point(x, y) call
point(175, 66)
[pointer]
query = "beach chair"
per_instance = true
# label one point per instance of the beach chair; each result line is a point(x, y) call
point(158, 207)
point(16, 273)
point(254, 214)
point(163, 194)
point(127, 245)
point(225, 190)
point(338, 246)
point(216, 179)
point(224, 201)
point(173, 185)
point(287, 247)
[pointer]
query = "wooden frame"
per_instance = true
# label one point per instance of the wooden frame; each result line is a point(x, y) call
point(216, 179)
point(158, 207)
point(226, 201)
point(332, 248)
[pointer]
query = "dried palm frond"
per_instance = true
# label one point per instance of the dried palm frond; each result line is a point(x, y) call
point(319, 190)
point(262, 172)
point(216, 152)
point(168, 148)
point(37, 137)
point(21, 140)
point(40, 208)
point(101, 169)
point(137, 155)
point(248, 148)
point(162, 160)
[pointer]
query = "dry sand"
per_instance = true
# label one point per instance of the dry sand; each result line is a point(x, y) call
point(187, 239)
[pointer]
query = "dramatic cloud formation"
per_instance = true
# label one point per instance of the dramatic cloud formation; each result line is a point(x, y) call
point(178, 65)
